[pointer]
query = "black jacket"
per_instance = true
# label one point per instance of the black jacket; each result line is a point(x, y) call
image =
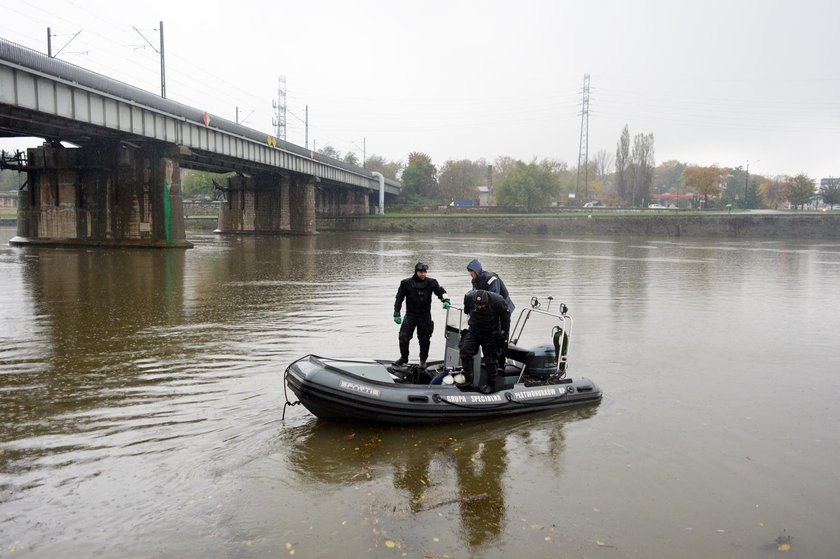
point(418, 295)
point(489, 281)
point(493, 318)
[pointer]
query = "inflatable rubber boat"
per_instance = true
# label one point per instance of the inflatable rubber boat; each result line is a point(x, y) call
point(533, 378)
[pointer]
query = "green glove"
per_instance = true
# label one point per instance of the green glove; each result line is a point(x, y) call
point(445, 304)
point(397, 319)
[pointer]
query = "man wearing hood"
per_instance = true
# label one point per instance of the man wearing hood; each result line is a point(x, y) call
point(417, 292)
point(489, 328)
point(489, 281)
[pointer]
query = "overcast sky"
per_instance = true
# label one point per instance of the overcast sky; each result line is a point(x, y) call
point(715, 81)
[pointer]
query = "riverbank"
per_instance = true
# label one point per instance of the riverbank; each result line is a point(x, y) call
point(746, 225)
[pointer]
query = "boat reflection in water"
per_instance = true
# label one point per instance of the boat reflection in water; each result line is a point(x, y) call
point(458, 473)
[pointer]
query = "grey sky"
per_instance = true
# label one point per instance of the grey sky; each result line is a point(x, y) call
point(715, 81)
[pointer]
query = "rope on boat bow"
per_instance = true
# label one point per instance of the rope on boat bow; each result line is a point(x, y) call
point(289, 404)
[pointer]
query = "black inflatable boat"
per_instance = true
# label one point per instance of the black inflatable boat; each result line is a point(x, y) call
point(533, 379)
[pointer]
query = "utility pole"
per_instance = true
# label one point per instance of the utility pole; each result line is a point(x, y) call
point(244, 120)
point(306, 145)
point(49, 42)
point(162, 65)
point(162, 58)
point(364, 151)
point(583, 150)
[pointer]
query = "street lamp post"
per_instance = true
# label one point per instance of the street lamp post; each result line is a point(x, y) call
point(747, 181)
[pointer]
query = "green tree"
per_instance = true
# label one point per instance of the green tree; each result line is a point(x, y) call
point(201, 184)
point(419, 178)
point(351, 158)
point(830, 192)
point(705, 180)
point(459, 179)
point(389, 169)
point(532, 186)
point(800, 189)
point(11, 180)
point(668, 177)
point(772, 193)
point(330, 151)
point(733, 191)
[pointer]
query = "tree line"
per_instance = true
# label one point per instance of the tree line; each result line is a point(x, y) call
point(627, 178)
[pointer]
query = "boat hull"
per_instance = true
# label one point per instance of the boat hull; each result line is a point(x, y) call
point(330, 392)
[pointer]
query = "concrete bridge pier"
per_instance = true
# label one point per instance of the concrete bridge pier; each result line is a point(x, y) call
point(269, 203)
point(332, 202)
point(110, 194)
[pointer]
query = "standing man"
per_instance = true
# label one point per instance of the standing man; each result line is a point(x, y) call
point(489, 328)
point(417, 292)
point(489, 281)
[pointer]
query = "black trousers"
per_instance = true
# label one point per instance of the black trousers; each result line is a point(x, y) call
point(424, 325)
point(489, 343)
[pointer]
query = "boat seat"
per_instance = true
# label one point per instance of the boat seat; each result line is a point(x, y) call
point(511, 371)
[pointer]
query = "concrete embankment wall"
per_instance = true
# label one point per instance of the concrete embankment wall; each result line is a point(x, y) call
point(763, 226)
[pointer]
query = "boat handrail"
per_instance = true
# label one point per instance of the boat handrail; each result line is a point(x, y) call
point(565, 325)
point(519, 326)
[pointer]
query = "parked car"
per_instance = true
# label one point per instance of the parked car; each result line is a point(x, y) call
point(656, 206)
point(593, 204)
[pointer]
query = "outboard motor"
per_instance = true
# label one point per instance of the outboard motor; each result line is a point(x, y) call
point(544, 361)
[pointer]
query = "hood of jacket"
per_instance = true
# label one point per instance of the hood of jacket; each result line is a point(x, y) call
point(474, 266)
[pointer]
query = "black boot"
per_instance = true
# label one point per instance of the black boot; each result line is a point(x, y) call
point(467, 366)
point(491, 378)
point(401, 361)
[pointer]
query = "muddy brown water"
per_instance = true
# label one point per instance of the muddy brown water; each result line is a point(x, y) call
point(141, 398)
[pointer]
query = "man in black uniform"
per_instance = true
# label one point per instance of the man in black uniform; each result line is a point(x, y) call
point(417, 292)
point(489, 281)
point(489, 327)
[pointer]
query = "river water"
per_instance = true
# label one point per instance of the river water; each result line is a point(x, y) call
point(141, 402)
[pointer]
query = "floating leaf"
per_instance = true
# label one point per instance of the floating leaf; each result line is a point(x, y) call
point(784, 547)
point(390, 544)
point(349, 436)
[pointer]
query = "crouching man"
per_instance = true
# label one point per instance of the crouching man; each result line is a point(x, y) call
point(489, 327)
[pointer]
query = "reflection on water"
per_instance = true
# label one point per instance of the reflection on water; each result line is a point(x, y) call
point(461, 470)
point(144, 388)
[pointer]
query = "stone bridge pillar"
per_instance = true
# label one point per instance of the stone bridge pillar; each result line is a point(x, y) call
point(332, 201)
point(302, 198)
point(256, 204)
point(108, 194)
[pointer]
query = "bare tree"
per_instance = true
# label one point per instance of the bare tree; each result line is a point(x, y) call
point(642, 166)
point(603, 161)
